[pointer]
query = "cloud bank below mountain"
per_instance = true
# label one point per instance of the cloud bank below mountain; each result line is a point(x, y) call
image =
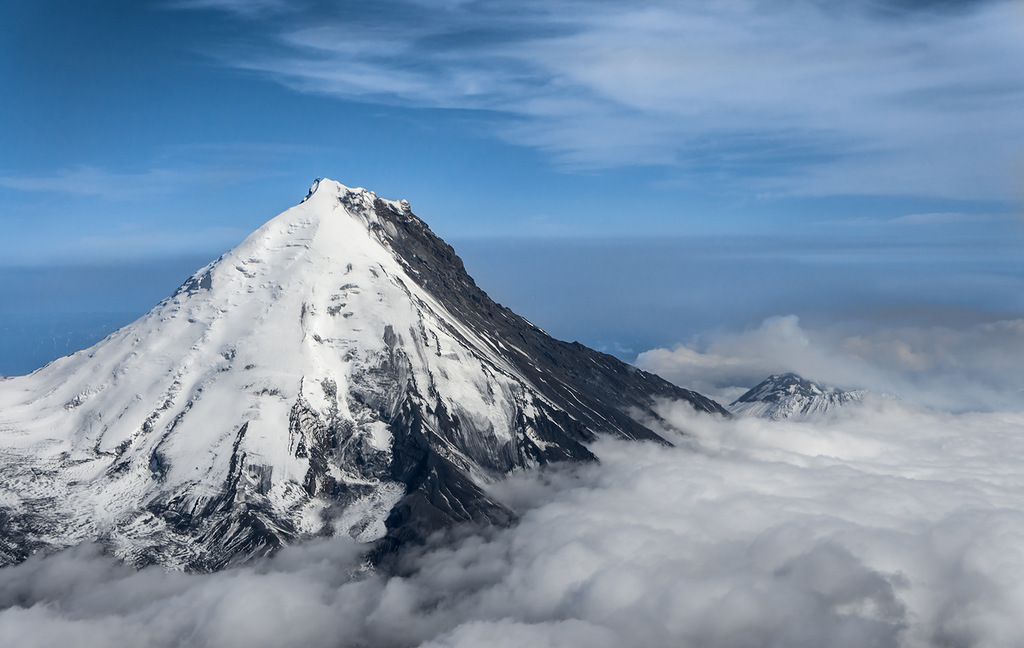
point(891, 525)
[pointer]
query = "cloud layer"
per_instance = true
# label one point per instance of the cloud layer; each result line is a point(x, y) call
point(890, 526)
point(896, 98)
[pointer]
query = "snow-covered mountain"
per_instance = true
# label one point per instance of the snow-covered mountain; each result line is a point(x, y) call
point(336, 373)
point(790, 396)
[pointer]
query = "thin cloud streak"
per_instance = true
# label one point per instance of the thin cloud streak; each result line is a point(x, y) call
point(813, 100)
point(245, 8)
point(100, 183)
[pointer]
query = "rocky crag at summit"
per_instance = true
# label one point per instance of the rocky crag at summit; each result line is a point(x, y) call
point(337, 373)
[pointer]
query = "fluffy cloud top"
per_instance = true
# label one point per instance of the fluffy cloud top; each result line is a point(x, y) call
point(890, 526)
point(972, 367)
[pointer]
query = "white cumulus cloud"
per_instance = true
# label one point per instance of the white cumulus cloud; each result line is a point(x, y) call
point(974, 366)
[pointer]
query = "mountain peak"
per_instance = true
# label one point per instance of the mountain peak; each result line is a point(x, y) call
point(338, 372)
point(334, 188)
point(327, 190)
point(789, 395)
point(333, 223)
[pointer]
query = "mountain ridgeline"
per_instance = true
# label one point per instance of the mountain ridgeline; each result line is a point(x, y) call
point(338, 372)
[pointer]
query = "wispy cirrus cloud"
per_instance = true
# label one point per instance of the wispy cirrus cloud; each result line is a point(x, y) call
point(124, 215)
point(101, 183)
point(794, 98)
point(245, 8)
point(938, 218)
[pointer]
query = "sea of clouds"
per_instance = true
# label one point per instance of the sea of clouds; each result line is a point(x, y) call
point(891, 523)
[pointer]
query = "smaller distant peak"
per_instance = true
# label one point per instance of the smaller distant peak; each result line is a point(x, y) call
point(789, 395)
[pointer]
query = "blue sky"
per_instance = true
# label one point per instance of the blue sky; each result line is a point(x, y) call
point(692, 165)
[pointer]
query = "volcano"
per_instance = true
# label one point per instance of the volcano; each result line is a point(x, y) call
point(788, 395)
point(337, 373)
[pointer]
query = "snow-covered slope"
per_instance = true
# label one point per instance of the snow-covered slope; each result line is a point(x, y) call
point(336, 373)
point(790, 396)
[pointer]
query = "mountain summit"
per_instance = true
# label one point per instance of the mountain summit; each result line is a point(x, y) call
point(788, 395)
point(338, 372)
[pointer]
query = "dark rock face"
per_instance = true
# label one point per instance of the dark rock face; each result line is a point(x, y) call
point(595, 388)
point(594, 393)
